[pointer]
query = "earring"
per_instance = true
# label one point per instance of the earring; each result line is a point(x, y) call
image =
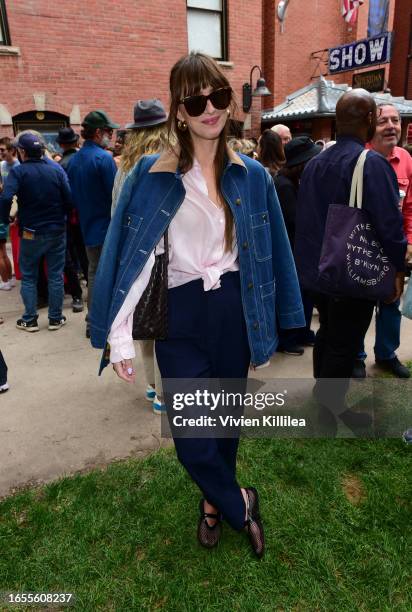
point(182, 126)
point(228, 112)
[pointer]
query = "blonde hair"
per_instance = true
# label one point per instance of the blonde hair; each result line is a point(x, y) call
point(144, 141)
point(242, 145)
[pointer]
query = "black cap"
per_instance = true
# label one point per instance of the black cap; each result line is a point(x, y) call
point(300, 150)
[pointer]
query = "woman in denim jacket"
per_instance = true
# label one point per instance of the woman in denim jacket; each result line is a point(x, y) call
point(231, 275)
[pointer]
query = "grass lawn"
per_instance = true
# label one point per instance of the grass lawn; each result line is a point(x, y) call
point(338, 528)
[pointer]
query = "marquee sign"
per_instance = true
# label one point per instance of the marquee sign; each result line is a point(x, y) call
point(360, 54)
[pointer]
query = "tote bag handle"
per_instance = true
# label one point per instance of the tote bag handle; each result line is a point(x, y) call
point(356, 191)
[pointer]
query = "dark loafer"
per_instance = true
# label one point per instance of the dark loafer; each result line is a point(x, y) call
point(208, 535)
point(253, 524)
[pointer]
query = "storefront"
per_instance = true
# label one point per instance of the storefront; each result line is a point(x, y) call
point(311, 110)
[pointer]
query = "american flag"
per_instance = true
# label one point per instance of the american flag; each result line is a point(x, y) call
point(350, 10)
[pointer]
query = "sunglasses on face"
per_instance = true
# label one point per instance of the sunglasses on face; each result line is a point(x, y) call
point(196, 105)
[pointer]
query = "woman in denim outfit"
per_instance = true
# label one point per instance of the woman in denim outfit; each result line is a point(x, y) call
point(230, 270)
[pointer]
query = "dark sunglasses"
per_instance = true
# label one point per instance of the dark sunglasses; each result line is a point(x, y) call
point(196, 105)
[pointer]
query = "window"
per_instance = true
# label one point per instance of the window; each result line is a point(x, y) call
point(4, 26)
point(206, 26)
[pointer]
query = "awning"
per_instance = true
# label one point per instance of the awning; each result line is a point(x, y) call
point(319, 100)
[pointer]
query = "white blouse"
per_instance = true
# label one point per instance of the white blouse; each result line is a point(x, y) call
point(196, 238)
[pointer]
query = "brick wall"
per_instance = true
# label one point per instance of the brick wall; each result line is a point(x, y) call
point(105, 54)
point(94, 54)
point(245, 50)
point(308, 27)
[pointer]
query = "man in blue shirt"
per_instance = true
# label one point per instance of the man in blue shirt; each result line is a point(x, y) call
point(326, 180)
point(91, 174)
point(44, 199)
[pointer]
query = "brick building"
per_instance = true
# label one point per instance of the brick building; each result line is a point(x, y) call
point(295, 57)
point(59, 60)
point(66, 58)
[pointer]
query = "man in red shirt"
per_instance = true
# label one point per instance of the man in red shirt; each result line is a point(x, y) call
point(388, 316)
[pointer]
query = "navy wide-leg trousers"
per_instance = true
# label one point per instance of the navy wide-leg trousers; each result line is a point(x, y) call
point(207, 338)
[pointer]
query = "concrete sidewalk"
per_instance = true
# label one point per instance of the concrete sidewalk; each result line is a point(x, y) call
point(60, 417)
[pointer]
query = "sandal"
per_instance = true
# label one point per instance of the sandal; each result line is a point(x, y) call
point(208, 535)
point(253, 523)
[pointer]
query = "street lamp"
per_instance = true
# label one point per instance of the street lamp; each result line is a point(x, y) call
point(261, 90)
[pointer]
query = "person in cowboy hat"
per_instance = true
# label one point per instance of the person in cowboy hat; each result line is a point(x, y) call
point(147, 135)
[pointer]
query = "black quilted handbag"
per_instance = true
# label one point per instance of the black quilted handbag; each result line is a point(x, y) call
point(150, 315)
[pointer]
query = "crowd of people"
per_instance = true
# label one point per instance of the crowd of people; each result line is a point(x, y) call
point(230, 220)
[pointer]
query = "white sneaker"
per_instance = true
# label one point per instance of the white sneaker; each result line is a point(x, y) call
point(5, 286)
point(12, 281)
point(158, 406)
point(4, 388)
point(150, 393)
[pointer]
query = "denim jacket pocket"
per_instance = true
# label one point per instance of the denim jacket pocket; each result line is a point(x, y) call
point(268, 295)
point(131, 221)
point(262, 239)
point(130, 227)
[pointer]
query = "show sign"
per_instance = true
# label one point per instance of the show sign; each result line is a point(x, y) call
point(360, 54)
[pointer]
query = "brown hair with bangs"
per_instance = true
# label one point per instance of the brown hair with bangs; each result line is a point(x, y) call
point(188, 77)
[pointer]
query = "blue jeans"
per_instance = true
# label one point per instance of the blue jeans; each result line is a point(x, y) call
point(388, 331)
point(53, 247)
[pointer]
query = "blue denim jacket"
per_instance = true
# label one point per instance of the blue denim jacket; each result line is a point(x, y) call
point(148, 202)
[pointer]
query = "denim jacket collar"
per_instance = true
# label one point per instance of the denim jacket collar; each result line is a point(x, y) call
point(168, 160)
